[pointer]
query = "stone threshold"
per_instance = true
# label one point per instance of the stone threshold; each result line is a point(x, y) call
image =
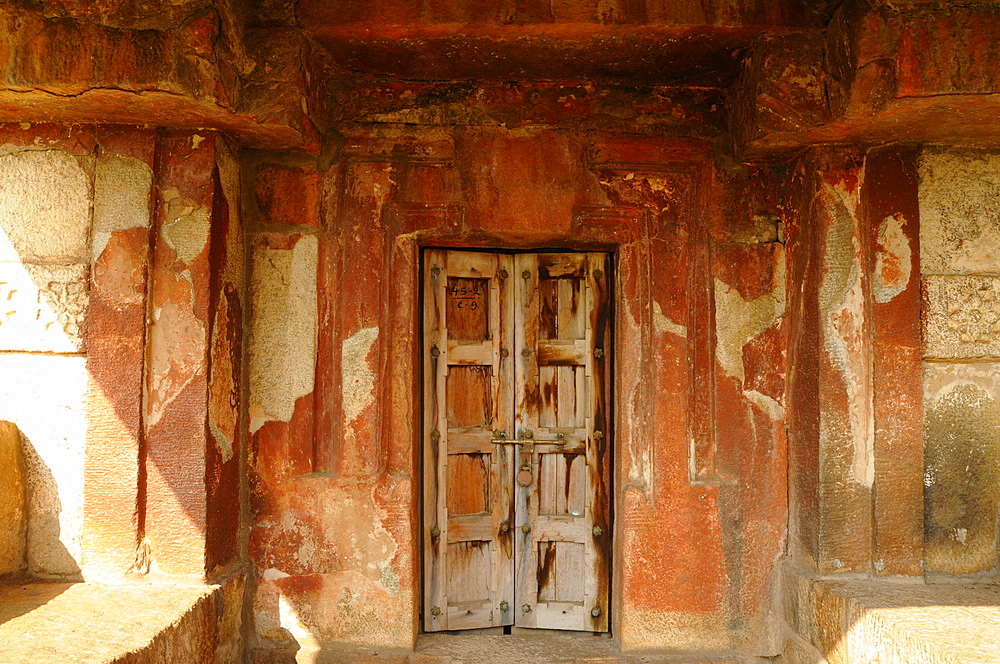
point(90, 623)
point(541, 648)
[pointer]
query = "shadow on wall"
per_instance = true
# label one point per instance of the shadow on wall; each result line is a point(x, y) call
point(47, 556)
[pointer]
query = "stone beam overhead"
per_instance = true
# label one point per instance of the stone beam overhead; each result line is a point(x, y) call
point(186, 65)
point(888, 72)
point(701, 56)
point(643, 41)
point(475, 14)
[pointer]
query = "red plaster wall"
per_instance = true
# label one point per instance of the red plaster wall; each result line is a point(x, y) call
point(226, 416)
point(693, 552)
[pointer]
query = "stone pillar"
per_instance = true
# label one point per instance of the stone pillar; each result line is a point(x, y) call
point(855, 447)
point(225, 452)
point(176, 408)
point(123, 185)
point(892, 243)
point(831, 431)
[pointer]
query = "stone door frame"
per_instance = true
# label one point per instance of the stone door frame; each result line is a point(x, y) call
point(641, 236)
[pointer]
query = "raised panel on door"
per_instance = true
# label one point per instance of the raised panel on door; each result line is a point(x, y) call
point(468, 393)
point(562, 545)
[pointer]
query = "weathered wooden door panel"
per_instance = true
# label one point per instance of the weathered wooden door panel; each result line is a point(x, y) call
point(468, 553)
point(517, 463)
point(562, 328)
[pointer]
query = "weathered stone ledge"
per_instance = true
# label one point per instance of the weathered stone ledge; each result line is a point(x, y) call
point(890, 621)
point(108, 106)
point(90, 623)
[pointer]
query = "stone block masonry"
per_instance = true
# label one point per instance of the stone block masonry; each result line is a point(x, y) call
point(102, 230)
point(46, 198)
point(960, 234)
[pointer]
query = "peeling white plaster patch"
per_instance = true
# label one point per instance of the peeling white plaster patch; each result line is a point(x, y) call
point(892, 260)
point(390, 580)
point(222, 440)
point(306, 551)
point(638, 448)
point(273, 574)
point(283, 333)
point(358, 382)
point(773, 409)
point(738, 321)
point(185, 226)
point(176, 341)
point(122, 186)
point(842, 308)
point(664, 324)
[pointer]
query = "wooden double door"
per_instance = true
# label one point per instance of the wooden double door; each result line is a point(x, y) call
point(517, 462)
